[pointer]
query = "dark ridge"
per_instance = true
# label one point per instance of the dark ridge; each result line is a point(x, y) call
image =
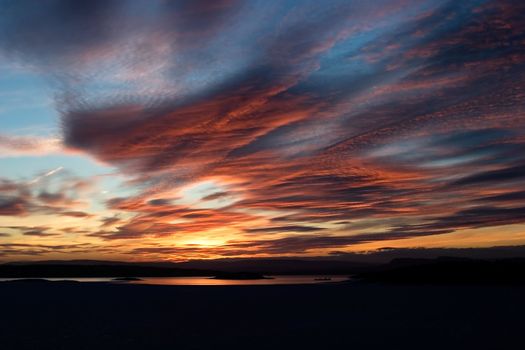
point(126, 270)
point(281, 266)
point(446, 270)
point(127, 279)
point(95, 268)
point(240, 276)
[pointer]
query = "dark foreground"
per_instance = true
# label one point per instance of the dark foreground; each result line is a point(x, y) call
point(55, 315)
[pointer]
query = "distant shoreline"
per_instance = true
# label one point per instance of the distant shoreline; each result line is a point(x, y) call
point(186, 281)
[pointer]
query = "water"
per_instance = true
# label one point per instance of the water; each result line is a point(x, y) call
point(205, 281)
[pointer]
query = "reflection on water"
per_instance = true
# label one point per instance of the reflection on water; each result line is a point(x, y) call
point(207, 281)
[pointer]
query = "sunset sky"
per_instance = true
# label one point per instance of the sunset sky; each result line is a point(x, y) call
point(172, 130)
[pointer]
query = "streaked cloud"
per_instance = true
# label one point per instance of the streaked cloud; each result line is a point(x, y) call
point(289, 127)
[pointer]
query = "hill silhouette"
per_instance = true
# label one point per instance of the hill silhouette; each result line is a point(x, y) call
point(256, 267)
point(447, 270)
point(97, 270)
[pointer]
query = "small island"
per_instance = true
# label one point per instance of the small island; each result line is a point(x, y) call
point(126, 279)
point(240, 276)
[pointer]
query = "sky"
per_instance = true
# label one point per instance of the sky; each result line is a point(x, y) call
point(173, 130)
